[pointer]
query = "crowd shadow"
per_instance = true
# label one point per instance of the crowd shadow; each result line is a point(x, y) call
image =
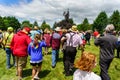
point(60, 59)
point(27, 72)
point(117, 67)
point(44, 73)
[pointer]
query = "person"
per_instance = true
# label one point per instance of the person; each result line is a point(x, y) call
point(85, 65)
point(34, 31)
point(19, 44)
point(87, 37)
point(35, 52)
point(107, 45)
point(47, 38)
point(55, 43)
point(73, 39)
point(95, 33)
point(118, 43)
point(1, 38)
point(63, 44)
point(7, 41)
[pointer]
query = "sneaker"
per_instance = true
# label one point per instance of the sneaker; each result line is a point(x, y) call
point(8, 67)
point(16, 73)
point(19, 78)
point(53, 66)
point(36, 78)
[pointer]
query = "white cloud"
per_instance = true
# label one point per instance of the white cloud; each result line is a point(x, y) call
point(52, 10)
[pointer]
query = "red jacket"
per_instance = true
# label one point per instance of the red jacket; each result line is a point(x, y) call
point(20, 43)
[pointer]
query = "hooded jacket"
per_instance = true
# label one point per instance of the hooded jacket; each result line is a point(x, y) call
point(20, 44)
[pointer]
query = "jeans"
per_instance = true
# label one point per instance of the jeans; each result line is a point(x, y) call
point(8, 57)
point(55, 56)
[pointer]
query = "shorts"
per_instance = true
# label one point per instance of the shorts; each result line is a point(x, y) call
point(36, 64)
point(21, 61)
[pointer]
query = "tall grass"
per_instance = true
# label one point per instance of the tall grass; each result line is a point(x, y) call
point(49, 73)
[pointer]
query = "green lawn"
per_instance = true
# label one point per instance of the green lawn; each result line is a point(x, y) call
point(48, 73)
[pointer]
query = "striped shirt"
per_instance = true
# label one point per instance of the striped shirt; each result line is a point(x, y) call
point(75, 41)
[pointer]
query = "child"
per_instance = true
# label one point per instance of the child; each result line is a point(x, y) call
point(35, 51)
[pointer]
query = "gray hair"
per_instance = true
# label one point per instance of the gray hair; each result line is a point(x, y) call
point(109, 28)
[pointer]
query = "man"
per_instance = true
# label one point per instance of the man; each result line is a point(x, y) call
point(19, 46)
point(1, 38)
point(87, 37)
point(55, 43)
point(73, 40)
point(107, 45)
point(118, 48)
point(7, 41)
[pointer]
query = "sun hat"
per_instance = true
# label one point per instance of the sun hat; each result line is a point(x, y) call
point(10, 28)
point(48, 31)
point(36, 28)
point(45, 30)
point(74, 28)
point(57, 29)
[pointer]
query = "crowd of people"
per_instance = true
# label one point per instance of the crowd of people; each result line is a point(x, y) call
point(29, 42)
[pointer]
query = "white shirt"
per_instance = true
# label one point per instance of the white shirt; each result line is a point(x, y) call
point(76, 39)
point(84, 75)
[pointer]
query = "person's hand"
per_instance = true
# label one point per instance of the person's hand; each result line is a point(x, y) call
point(98, 36)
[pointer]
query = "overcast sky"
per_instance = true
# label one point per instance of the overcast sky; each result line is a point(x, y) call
point(52, 10)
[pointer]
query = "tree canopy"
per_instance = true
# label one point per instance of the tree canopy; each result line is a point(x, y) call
point(99, 23)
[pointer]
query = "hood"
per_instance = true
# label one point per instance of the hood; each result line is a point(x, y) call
point(20, 33)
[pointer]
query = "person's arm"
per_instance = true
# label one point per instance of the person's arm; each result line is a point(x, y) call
point(12, 43)
point(28, 39)
point(29, 49)
point(97, 40)
point(1, 39)
point(81, 45)
point(43, 43)
point(63, 39)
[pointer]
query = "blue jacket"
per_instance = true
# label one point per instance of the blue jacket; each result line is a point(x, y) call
point(36, 52)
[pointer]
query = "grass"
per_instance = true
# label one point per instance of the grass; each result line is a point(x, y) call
point(48, 73)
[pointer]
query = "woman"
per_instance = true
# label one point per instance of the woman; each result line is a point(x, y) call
point(85, 65)
point(35, 52)
point(47, 38)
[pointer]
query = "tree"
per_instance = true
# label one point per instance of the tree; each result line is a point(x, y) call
point(14, 23)
point(115, 19)
point(11, 21)
point(44, 25)
point(84, 26)
point(2, 23)
point(35, 24)
point(100, 22)
point(54, 25)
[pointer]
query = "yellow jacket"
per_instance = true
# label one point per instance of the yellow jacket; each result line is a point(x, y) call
point(7, 39)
